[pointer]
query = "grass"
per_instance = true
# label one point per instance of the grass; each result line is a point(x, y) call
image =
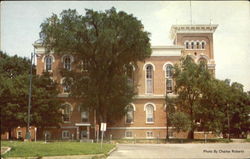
point(247, 140)
point(39, 149)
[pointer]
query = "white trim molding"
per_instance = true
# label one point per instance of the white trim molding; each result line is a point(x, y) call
point(150, 103)
point(148, 63)
point(139, 128)
point(132, 104)
point(165, 64)
point(45, 55)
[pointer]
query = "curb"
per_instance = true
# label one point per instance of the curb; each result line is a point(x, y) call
point(112, 150)
point(98, 156)
point(8, 149)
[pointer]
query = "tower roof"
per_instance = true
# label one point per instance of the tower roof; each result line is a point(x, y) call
point(192, 28)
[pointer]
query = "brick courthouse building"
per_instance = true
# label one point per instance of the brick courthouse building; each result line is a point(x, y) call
point(146, 118)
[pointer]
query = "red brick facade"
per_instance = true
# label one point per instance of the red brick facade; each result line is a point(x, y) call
point(200, 45)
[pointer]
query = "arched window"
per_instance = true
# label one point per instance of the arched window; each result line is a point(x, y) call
point(130, 74)
point(149, 78)
point(67, 63)
point(66, 112)
point(187, 45)
point(149, 113)
point(66, 83)
point(130, 114)
point(192, 45)
point(169, 78)
point(202, 45)
point(197, 45)
point(203, 62)
point(48, 63)
point(84, 116)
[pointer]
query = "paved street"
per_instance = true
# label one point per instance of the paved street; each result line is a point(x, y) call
point(153, 151)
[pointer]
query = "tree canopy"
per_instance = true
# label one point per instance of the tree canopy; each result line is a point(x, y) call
point(109, 43)
point(212, 104)
point(14, 89)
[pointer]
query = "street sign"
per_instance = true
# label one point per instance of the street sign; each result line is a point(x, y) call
point(103, 126)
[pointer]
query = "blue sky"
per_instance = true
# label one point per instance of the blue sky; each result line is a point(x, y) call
point(20, 26)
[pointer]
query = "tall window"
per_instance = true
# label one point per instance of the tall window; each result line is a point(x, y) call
point(149, 78)
point(66, 112)
point(84, 65)
point(169, 78)
point(85, 116)
point(203, 63)
point(48, 63)
point(66, 83)
point(149, 113)
point(203, 45)
point(130, 114)
point(67, 62)
point(130, 74)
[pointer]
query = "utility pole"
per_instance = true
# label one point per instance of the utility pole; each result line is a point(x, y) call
point(228, 122)
point(27, 137)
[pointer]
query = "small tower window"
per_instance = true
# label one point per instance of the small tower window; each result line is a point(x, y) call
point(197, 45)
point(203, 45)
point(186, 45)
point(192, 45)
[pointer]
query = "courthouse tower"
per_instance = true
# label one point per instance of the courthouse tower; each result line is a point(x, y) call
point(197, 41)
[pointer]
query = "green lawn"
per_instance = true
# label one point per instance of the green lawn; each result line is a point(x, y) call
point(38, 149)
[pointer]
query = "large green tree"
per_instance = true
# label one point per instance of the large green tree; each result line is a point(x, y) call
point(14, 89)
point(212, 105)
point(190, 78)
point(111, 42)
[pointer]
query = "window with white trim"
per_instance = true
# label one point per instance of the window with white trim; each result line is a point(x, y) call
point(48, 63)
point(66, 112)
point(19, 134)
point(84, 116)
point(130, 114)
point(67, 63)
point(202, 45)
point(169, 78)
point(130, 75)
point(65, 134)
point(187, 45)
point(197, 45)
point(128, 134)
point(149, 113)
point(149, 134)
point(149, 78)
point(203, 63)
point(192, 45)
point(66, 83)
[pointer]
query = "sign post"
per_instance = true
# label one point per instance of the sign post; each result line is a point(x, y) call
point(103, 128)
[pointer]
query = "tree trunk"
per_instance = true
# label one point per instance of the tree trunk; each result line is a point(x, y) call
point(191, 134)
point(10, 134)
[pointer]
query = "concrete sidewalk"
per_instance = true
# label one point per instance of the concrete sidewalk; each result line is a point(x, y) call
point(167, 151)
